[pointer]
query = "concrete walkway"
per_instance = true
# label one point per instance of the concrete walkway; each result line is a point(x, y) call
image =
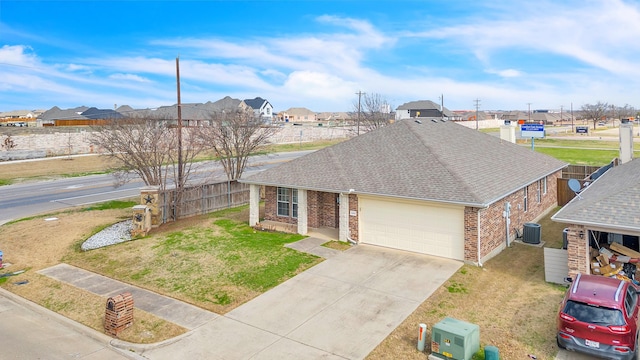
point(175, 311)
point(341, 308)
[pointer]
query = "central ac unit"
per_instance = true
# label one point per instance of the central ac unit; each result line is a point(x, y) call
point(455, 339)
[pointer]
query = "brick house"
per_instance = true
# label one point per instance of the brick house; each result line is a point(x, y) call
point(431, 187)
point(606, 211)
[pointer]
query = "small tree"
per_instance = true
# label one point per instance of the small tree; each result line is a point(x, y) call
point(8, 142)
point(595, 112)
point(371, 111)
point(148, 148)
point(234, 136)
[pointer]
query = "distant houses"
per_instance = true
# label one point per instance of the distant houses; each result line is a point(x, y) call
point(197, 114)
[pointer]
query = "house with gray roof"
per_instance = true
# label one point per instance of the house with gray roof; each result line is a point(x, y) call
point(425, 109)
point(430, 187)
point(604, 212)
point(261, 108)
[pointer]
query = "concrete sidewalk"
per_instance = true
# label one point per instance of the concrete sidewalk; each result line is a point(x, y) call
point(175, 311)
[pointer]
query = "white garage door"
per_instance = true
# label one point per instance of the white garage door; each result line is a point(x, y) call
point(414, 226)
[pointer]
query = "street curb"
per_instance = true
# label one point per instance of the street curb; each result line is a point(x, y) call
point(130, 350)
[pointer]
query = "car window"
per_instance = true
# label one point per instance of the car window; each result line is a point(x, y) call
point(594, 314)
point(630, 301)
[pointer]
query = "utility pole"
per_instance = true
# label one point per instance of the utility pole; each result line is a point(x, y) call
point(442, 107)
point(572, 117)
point(359, 93)
point(529, 112)
point(180, 175)
point(477, 101)
point(561, 114)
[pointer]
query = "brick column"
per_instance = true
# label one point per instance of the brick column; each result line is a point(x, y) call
point(343, 226)
point(149, 196)
point(254, 204)
point(302, 212)
point(578, 250)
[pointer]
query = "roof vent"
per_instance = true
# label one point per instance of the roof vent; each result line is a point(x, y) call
point(418, 121)
point(434, 120)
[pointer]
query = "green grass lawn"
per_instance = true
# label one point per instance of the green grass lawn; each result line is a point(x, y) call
point(213, 261)
point(580, 156)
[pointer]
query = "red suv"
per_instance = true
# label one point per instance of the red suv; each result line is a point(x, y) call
point(599, 316)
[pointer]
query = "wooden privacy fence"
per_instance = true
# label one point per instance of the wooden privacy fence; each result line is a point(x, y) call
point(201, 199)
point(578, 171)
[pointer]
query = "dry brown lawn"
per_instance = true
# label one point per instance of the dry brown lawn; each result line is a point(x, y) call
point(37, 243)
point(53, 167)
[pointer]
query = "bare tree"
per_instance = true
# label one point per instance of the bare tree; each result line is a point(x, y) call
point(234, 136)
point(8, 142)
point(595, 112)
point(625, 112)
point(372, 111)
point(148, 148)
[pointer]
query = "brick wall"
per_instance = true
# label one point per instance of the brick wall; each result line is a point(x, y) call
point(578, 250)
point(322, 208)
point(471, 234)
point(353, 220)
point(493, 224)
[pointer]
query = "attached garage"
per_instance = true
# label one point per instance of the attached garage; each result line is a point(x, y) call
point(417, 226)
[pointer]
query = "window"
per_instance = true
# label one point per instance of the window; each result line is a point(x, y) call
point(544, 186)
point(283, 201)
point(594, 314)
point(525, 199)
point(539, 191)
point(294, 203)
point(287, 202)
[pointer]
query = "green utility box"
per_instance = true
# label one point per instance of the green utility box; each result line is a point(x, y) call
point(455, 339)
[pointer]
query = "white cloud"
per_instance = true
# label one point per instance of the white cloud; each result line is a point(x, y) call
point(506, 73)
point(129, 77)
point(18, 55)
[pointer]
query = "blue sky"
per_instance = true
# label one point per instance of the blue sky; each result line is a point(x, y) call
point(319, 54)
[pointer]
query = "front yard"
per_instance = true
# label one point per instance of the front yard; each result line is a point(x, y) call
point(217, 262)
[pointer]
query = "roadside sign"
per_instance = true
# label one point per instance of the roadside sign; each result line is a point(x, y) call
point(532, 130)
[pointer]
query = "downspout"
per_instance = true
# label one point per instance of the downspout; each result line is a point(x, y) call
point(507, 215)
point(349, 239)
point(478, 236)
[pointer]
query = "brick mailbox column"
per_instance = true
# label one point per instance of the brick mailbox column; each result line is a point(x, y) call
point(149, 196)
point(118, 314)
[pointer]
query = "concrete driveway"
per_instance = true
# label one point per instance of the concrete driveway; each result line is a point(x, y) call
point(340, 309)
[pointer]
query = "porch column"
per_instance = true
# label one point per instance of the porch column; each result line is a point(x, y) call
point(343, 227)
point(254, 204)
point(302, 212)
point(578, 250)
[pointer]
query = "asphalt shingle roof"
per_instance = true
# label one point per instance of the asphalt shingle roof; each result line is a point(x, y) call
point(612, 201)
point(438, 161)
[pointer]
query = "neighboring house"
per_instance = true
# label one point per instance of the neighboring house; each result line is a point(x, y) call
point(20, 114)
point(261, 107)
point(297, 114)
point(422, 109)
point(605, 211)
point(333, 116)
point(192, 114)
point(430, 187)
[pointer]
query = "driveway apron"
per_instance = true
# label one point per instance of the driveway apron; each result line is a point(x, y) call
point(340, 309)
